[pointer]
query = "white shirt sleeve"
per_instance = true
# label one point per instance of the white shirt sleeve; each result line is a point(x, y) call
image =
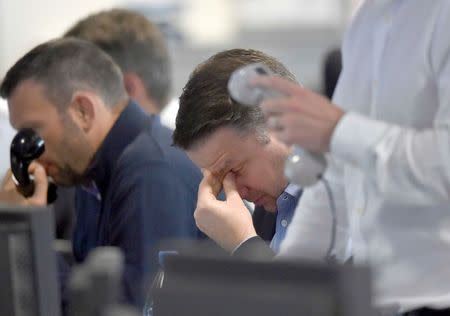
point(404, 164)
point(309, 234)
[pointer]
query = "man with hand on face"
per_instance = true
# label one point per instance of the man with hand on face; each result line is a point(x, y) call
point(72, 94)
point(231, 144)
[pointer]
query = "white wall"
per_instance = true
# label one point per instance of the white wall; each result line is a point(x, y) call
point(26, 23)
point(204, 23)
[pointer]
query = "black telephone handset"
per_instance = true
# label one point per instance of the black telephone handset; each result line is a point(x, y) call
point(27, 146)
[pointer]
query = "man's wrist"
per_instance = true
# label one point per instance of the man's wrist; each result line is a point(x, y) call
point(254, 249)
point(243, 241)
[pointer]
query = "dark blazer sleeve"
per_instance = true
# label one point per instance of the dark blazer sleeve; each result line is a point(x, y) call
point(264, 223)
point(254, 249)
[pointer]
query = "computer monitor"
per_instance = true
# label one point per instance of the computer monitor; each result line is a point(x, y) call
point(222, 287)
point(28, 271)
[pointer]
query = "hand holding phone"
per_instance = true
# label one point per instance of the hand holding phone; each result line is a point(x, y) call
point(27, 146)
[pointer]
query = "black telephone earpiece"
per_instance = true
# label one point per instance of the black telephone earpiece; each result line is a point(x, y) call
point(27, 146)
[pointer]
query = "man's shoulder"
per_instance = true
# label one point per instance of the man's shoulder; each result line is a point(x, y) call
point(153, 148)
point(150, 145)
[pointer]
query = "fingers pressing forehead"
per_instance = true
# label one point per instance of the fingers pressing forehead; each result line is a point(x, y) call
point(210, 184)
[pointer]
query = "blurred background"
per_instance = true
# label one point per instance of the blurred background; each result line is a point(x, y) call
point(298, 32)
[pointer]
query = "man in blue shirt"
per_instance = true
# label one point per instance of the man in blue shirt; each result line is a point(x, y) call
point(231, 143)
point(138, 188)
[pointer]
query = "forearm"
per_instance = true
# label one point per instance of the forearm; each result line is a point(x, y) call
point(404, 164)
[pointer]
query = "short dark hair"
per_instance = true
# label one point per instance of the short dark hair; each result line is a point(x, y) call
point(63, 66)
point(205, 104)
point(136, 45)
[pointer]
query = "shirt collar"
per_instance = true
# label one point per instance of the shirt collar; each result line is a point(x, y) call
point(292, 189)
point(128, 126)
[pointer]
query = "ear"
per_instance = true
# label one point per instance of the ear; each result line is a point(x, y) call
point(83, 109)
point(134, 85)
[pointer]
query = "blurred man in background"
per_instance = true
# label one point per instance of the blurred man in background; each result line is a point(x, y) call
point(138, 47)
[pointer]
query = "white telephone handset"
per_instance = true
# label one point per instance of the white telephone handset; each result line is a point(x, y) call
point(302, 167)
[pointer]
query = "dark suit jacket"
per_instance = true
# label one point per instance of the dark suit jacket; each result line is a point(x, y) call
point(147, 192)
point(257, 248)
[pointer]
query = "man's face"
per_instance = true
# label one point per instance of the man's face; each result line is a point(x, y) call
point(258, 167)
point(67, 150)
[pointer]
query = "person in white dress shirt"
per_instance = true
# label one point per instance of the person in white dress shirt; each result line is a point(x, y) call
point(387, 132)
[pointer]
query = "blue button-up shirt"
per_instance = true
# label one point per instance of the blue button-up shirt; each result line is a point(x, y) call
point(286, 204)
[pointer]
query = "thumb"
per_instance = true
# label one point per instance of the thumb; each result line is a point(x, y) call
point(230, 189)
point(7, 182)
point(40, 184)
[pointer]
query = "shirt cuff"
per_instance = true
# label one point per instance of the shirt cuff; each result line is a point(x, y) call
point(355, 137)
point(238, 246)
point(254, 248)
